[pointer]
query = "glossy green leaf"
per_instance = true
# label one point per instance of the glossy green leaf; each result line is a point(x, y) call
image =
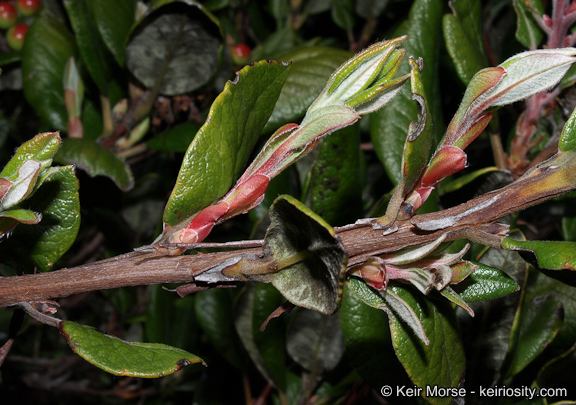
point(247, 327)
point(463, 34)
point(335, 178)
point(389, 125)
point(311, 68)
point(42, 148)
point(90, 45)
point(175, 49)
point(567, 140)
point(315, 341)
point(213, 309)
point(22, 215)
point(539, 323)
point(223, 145)
point(40, 246)
point(96, 160)
point(549, 255)
point(433, 364)
point(342, 14)
point(314, 282)
point(270, 341)
point(528, 32)
point(485, 283)
point(118, 357)
point(46, 51)
point(176, 139)
point(368, 341)
point(114, 20)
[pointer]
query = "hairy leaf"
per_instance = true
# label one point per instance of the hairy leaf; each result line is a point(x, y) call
point(442, 362)
point(389, 125)
point(528, 32)
point(223, 145)
point(311, 68)
point(118, 357)
point(39, 246)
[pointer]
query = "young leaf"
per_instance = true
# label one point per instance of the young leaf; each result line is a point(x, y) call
point(549, 255)
point(175, 49)
point(432, 364)
point(311, 68)
point(118, 357)
point(388, 126)
point(42, 148)
point(40, 246)
point(222, 146)
point(96, 160)
point(46, 51)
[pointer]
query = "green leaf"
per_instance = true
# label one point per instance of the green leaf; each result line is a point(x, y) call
point(549, 255)
point(485, 283)
point(40, 246)
point(22, 215)
point(90, 45)
point(311, 68)
point(118, 357)
point(314, 282)
point(463, 34)
point(370, 9)
point(223, 145)
point(42, 148)
point(368, 341)
point(270, 341)
point(567, 140)
point(528, 32)
point(539, 323)
point(389, 125)
point(96, 160)
point(442, 362)
point(175, 49)
point(214, 313)
point(336, 186)
point(46, 51)
point(176, 139)
point(315, 341)
point(342, 14)
point(247, 326)
point(114, 20)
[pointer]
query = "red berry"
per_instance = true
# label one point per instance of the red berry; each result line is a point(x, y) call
point(8, 15)
point(241, 54)
point(29, 7)
point(15, 36)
